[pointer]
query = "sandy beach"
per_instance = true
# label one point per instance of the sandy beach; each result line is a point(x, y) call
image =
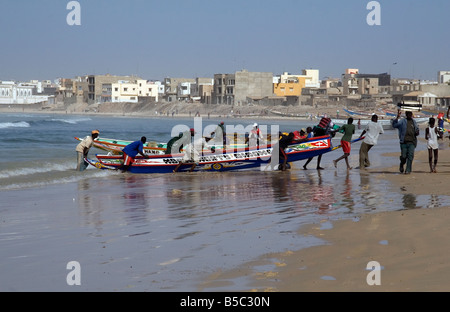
point(411, 246)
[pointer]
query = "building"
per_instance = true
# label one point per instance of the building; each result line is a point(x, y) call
point(202, 89)
point(235, 89)
point(171, 86)
point(130, 91)
point(356, 87)
point(96, 85)
point(443, 77)
point(289, 85)
point(18, 93)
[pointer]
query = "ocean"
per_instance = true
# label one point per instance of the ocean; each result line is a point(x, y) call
point(163, 232)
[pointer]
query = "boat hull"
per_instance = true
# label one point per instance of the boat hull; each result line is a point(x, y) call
point(240, 159)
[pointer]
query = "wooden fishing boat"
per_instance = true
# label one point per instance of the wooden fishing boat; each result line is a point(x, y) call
point(115, 146)
point(221, 160)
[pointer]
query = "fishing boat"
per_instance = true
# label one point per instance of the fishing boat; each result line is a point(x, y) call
point(221, 160)
point(115, 146)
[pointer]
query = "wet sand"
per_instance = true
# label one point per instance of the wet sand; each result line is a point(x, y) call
point(410, 246)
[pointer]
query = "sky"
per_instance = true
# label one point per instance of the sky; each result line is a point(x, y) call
point(200, 38)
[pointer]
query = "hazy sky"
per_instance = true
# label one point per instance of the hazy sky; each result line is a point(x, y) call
point(198, 38)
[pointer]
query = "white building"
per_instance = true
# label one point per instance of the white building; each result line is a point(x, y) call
point(13, 93)
point(443, 76)
point(126, 91)
point(311, 77)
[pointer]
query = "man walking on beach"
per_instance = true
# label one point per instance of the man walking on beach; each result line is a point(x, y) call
point(407, 133)
point(83, 149)
point(372, 131)
point(349, 130)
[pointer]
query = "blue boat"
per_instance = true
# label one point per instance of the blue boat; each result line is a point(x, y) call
point(221, 160)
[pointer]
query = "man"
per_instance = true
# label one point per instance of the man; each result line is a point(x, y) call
point(255, 136)
point(349, 130)
point(219, 135)
point(323, 128)
point(192, 152)
point(131, 151)
point(83, 149)
point(408, 131)
point(372, 131)
point(173, 146)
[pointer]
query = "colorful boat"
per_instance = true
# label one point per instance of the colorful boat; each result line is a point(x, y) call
point(220, 160)
point(115, 146)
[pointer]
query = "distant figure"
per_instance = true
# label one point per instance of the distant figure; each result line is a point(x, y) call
point(349, 130)
point(219, 135)
point(255, 136)
point(441, 120)
point(372, 131)
point(309, 133)
point(408, 131)
point(131, 151)
point(324, 127)
point(359, 124)
point(83, 148)
point(432, 134)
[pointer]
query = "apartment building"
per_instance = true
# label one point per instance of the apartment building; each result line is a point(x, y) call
point(356, 85)
point(95, 85)
point(130, 91)
point(235, 89)
point(172, 85)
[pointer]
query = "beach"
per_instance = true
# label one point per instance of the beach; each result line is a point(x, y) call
point(411, 246)
point(305, 230)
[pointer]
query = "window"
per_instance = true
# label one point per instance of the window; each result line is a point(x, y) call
point(116, 89)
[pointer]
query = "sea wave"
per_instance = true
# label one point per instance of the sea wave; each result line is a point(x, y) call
point(19, 124)
point(26, 171)
point(72, 121)
point(61, 180)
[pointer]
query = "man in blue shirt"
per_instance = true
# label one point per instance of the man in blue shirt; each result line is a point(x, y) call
point(131, 151)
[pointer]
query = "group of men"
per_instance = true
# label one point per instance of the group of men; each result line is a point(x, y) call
point(408, 131)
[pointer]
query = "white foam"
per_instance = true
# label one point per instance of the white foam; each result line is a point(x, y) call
point(19, 124)
point(46, 167)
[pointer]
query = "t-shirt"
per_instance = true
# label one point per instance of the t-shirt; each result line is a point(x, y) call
point(373, 131)
point(134, 148)
point(349, 130)
point(87, 142)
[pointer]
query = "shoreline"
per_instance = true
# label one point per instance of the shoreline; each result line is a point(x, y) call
point(410, 245)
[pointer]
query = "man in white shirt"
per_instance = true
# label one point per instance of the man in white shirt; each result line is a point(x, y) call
point(371, 132)
point(82, 149)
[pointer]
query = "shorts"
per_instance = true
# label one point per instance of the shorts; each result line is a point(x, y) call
point(346, 147)
point(127, 160)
